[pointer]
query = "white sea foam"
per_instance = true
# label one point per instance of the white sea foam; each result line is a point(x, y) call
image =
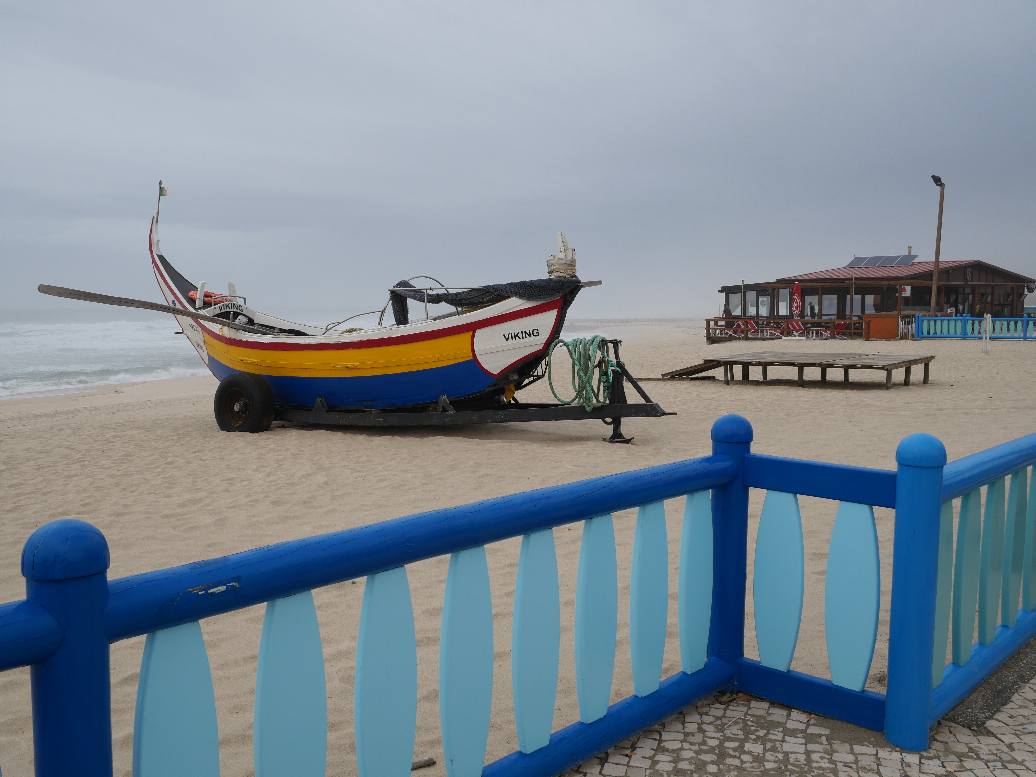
point(48, 357)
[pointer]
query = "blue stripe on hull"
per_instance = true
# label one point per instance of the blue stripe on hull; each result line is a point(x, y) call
point(374, 391)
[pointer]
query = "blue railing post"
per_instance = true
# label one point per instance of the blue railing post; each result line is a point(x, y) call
point(65, 566)
point(731, 437)
point(915, 556)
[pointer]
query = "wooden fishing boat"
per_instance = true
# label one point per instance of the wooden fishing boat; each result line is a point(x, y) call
point(463, 366)
point(489, 346)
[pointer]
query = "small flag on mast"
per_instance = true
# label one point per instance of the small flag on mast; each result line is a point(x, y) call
point(162, 191)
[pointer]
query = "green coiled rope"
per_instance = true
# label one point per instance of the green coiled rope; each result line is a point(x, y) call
point(589, 355)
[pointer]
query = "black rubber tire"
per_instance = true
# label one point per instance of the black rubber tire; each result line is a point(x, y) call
point(243, 403)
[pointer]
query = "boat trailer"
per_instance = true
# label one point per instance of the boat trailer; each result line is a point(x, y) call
point(445, 414)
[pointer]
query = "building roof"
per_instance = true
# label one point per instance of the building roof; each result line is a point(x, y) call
point(885, 273)
point(903, 274)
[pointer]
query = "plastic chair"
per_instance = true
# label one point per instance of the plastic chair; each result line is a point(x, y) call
point(796, 329)
point(753, 330)
point(734, 332)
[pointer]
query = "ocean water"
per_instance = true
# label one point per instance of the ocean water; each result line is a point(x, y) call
point(50, 357)
point(45, 357)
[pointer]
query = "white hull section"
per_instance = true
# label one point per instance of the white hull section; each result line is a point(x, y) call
point(188, 325)
point(499, 346)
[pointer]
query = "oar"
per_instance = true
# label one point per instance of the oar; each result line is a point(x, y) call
point(143, 304)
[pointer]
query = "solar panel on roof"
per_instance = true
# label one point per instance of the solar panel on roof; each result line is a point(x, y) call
point(905, 259)
point(872, 261)
point(857, 261)
point(889, 261)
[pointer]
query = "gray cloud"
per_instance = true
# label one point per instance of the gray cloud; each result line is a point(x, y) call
point(318, 152)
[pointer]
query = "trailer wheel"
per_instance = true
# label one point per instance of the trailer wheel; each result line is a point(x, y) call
point(243, 403)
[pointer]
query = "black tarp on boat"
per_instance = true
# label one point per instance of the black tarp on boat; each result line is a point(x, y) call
point(540, 289)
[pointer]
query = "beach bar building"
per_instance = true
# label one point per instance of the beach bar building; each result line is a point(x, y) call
point(873, 296)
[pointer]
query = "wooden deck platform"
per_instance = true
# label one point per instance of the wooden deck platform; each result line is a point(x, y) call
point(801, 360)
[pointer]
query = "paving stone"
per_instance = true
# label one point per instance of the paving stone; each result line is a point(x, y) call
point(736, 735)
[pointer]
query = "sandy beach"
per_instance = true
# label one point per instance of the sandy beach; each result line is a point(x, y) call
point(148, 466)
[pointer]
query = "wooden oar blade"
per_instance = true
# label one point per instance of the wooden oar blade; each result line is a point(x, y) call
point(128, 302)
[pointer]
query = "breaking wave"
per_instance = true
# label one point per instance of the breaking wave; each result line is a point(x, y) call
point(54, 357)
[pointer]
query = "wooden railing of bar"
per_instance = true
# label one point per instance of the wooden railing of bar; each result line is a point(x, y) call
point(732, 329)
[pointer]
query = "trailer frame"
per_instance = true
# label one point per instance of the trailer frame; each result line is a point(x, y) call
point(443, 413)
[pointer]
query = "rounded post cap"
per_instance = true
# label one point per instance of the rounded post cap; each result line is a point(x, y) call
point(732, 429)
point(63, 550)
point(921, 450)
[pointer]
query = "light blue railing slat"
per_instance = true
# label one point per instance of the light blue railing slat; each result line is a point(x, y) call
point(386, 678)
point(965, 576)
point(596, 618)
point(535, 640)
point(971, 328)
point(290, 734)
point(992, 562)
point(466, 663)
point(851, 595)
point(1029, 570)
point(1014, 548)
point(777, 585)
point(175, 731)
point(695, 594)
point(649, 598)
point(943, 592)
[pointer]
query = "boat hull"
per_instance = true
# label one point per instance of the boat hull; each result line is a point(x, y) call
point(399, 390)
point(380, 373)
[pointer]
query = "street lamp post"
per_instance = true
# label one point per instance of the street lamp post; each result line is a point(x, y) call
point(938, 243)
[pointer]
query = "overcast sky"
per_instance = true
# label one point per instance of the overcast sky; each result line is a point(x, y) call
point(315, 153)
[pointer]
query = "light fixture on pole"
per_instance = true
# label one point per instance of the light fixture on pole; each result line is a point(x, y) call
point(938, 243)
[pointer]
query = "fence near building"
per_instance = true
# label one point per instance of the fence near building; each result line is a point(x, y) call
point(974, 328)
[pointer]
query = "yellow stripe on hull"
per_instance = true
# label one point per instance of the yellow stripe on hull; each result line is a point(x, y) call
point(345, 362)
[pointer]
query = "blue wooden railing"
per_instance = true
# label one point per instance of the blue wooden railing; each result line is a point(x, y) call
point(970, 328)
point(72, 614)
point(988, 576)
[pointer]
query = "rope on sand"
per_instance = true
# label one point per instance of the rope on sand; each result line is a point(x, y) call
point(589, 356)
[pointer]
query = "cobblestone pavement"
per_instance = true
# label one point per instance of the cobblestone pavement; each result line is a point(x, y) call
point(738, 734)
